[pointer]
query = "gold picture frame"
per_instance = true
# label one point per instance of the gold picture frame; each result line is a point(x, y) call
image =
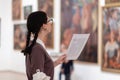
point(110, 59)
point(112, 1)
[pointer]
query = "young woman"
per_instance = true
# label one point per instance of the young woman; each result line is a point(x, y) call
point(39, 26)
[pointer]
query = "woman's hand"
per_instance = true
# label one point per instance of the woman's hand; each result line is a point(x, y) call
point(60, 60)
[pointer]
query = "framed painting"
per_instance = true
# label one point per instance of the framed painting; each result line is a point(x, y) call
point(19, 36)
point(27, 11)
point(80, 17)
point(48, 7)
point(111, 1)
point(111, 38)
point(16, 9)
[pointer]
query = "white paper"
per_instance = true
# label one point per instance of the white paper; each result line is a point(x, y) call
point(76, 46)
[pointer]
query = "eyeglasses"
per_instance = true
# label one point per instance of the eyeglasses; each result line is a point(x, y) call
point(50, 20)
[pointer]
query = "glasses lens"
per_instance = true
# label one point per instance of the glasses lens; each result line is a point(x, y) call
point(50, 20)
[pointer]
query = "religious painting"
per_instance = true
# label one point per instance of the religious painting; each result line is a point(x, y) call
point(46, 6)
point(19, 36)
point(16, 9)
point(80, 17)
point(27, 11)
point(111, 38)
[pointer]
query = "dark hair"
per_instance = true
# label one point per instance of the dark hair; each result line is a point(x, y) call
point(34, 23)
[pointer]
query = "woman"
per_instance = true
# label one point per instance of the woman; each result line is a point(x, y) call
point(39, 26)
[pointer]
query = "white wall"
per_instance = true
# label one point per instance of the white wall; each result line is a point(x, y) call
point(11, 60)
point(6, 32)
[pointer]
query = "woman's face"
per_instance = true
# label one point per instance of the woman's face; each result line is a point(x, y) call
point(47, 28)
point(49, 25)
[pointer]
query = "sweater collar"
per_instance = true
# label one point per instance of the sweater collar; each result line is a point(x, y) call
point(39, 41)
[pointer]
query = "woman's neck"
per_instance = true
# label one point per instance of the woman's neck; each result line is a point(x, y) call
point(42, 35)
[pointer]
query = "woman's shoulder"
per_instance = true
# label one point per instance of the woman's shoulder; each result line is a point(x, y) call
point(37, 48)
point(37, 45)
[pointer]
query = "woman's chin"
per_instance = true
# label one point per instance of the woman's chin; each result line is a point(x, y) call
point(49, 32)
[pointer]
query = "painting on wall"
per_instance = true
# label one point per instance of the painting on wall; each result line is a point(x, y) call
point(16, 9)
point(47, 6)
point(111, 1)
point(80, 17)
point(111, 38)
point(27, 11)
point(19, 36)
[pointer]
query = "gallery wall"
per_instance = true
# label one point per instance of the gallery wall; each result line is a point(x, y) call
point(5, 50)
point(14, 61)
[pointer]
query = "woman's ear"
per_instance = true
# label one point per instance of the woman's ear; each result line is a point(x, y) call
point(44, 27)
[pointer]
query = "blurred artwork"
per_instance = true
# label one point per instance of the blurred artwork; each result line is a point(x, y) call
point(27, 11)
point(47, 6)
point(111, 1)
point(19, 36)
point(80, 17)
point(16, 9)
point(111, 38)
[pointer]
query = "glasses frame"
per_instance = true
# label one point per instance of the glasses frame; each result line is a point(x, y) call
point(49, 20)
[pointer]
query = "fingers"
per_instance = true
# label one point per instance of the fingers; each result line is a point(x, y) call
point(64, 55)
point(62, 58)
